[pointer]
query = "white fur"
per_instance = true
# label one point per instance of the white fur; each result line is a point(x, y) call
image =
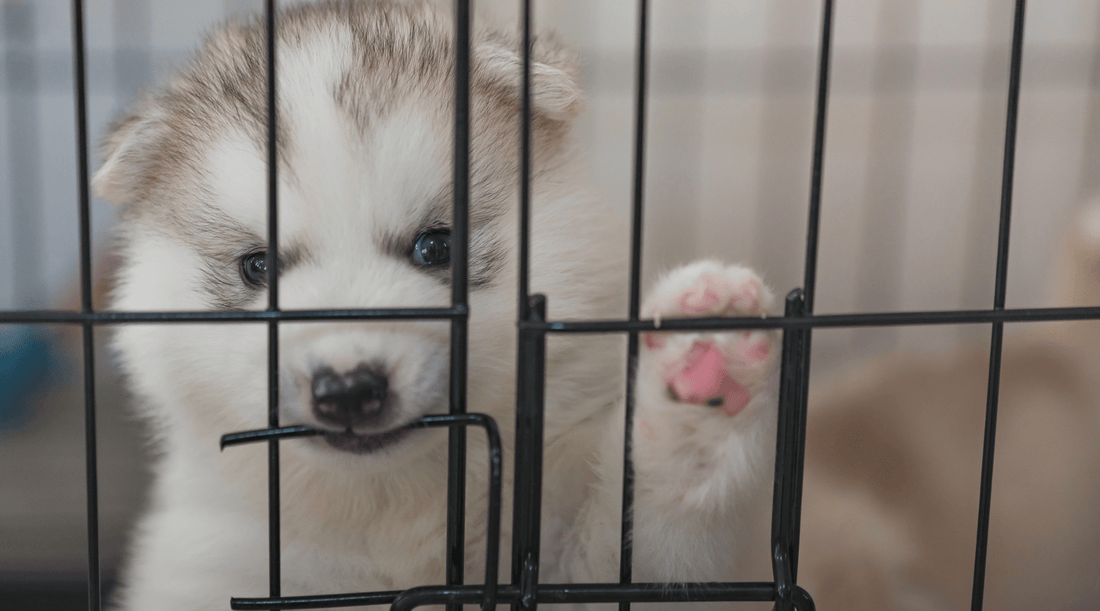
point(377, 521)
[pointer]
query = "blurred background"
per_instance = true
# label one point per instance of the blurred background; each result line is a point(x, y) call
point(910, 203)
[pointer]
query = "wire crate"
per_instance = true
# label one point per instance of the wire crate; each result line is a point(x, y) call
point(523, 590)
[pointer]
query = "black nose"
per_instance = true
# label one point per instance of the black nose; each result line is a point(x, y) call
point(355, 398)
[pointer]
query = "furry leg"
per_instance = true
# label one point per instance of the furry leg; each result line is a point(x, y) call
point(703, 432)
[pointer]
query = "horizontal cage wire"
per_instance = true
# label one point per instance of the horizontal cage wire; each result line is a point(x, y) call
point(525, 592)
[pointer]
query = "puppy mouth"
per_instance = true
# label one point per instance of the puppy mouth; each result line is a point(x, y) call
point(356, 443)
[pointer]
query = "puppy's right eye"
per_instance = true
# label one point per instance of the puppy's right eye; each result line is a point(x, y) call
point(254, 269)
point(432, 248)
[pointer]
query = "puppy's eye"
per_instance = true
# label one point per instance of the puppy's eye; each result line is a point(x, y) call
point(254, 269)
point(432, 248)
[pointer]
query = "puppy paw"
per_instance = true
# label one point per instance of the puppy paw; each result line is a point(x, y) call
point(704, 401)
point(720, 371)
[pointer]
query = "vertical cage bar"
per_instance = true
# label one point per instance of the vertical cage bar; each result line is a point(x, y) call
point(525, 167)
point(80, 92)
point(787, 460)
point(821, 116)
point(996, 341)
point(625, 553)
point(813, 227)
point(456, 471)
point(272, 164)
point(94, 596)
point(821, 112)
point(527, 501)
point(274, 536)
point(528, 461)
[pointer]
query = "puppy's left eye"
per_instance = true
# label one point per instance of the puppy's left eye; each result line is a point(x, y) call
point(254, 269)
point(432, 248)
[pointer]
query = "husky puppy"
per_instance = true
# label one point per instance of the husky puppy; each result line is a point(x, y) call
point(365, 103)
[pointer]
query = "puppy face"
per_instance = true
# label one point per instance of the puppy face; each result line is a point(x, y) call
point(365, 123)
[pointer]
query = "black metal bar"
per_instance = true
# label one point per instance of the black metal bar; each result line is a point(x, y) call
point(530, 361)
point(626, 560)
point(985, 490)
point(284, 432)
point(84, 202)
point(798, 454)
point(786, 462)
point(820, 119)
point(597, 593)
point(91, 470)
point(63, 316)
point(272, 163)
point(453, 421)
point(1008, 172)
point(877, 319)
point(456, 471)
point(274, 545)
point(873, 319)
point(813, 230)
point(321, 601)
point(997, 336)
point(638, 193)
point(589, 593)
point(88, 336)
point(274, 536)
point(492, 555)
point(525, 170)
point(527, 489)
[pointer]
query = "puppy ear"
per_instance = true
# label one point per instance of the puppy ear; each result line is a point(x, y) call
point(556, 94)
point(129, 150)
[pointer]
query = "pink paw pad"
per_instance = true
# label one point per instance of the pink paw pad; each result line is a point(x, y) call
point(747, 297)
point(754, 352)
point(705, 381)
point(654, 341)
point(700, 299)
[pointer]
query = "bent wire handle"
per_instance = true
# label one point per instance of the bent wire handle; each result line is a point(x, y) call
point(496, 460)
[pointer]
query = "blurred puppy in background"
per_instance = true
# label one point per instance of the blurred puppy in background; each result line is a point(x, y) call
point(893, 463)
